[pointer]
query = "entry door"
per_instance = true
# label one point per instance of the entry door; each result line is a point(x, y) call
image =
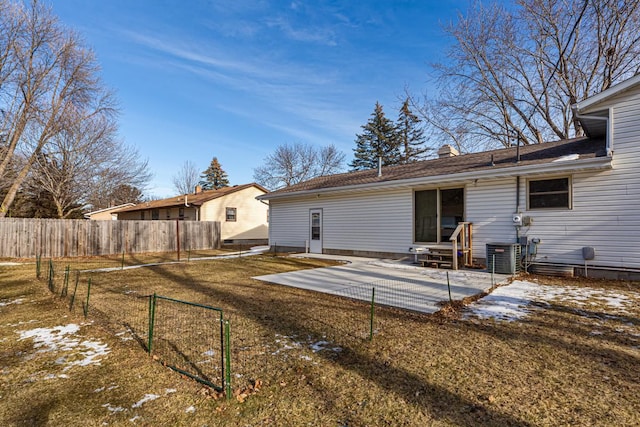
point(315, 231)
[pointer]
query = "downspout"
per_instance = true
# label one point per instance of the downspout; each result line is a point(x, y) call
point(518, 188)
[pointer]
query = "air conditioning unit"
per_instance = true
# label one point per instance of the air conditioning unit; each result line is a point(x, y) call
point(506, 257)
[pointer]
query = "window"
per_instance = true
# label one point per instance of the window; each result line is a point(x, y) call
point(155, 214)
point(142, 215)
point(437, 214)
point(315, 226)
point(181, 214)
point(231, 214)
point(550, 193)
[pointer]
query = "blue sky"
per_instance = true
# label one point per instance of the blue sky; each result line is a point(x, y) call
point(233, 79)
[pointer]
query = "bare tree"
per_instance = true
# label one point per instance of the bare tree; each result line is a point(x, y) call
point(48, 77)
point(514, 73)
point(294, 163)
point(187, 178)
point(84, 149)
point(122, 174)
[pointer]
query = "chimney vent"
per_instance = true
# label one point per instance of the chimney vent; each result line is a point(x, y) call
point(198, 189)
point(447, 151)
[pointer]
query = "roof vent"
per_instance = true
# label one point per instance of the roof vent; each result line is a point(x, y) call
point(447, 151)
point(198, 189)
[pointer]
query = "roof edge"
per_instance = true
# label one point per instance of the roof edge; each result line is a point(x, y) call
point(595, 163)
point(608, 93)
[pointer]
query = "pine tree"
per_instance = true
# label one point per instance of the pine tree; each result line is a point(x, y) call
point(214, 177)
point(378, 139)
point(411, 135)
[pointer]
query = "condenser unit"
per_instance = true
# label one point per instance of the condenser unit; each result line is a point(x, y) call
point(506, 257)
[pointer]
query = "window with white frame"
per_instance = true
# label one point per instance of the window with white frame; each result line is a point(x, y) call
point(552, 193)
point(231, 214)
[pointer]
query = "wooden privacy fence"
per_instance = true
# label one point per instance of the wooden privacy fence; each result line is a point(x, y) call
point(27, 237)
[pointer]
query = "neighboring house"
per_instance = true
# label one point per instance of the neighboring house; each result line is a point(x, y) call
point(107, 213)
point(242, 217)
point(557, 197)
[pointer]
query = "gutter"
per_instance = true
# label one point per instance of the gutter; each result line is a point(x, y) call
point(596, 163)
point(608, 119)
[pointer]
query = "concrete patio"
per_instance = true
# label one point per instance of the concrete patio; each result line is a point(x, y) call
point(397, 283)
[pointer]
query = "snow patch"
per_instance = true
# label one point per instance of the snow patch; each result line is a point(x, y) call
point(190, 409)
point(64, 339)
point(113, 409)
point(145, 399)
point(5, 302)
point(515, 301)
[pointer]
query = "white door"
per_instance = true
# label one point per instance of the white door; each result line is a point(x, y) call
point(315, 231)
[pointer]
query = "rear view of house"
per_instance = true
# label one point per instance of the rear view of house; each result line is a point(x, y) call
point(242, 217)
point(564, 204)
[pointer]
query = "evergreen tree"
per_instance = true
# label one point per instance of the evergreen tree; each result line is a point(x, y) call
point(378, 139)
point(411, 135)
point(214, 177)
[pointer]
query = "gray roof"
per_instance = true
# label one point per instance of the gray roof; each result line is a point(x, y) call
point(498, 160)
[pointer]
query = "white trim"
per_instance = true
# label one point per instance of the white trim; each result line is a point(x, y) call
point(608, 93)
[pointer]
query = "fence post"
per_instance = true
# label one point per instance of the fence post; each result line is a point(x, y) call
point(178, 237)
point(65, 286)
point(122, 263)
point(152, 318)
point(75, 290)
point(38, 259)
point(449, 287)
point(493, 268)
point(373, 309)
point(51, 273)
point(227, 356)
point(86, 307)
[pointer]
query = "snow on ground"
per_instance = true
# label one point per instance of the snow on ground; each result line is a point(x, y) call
point(64, 339)
point(5, 302)
point(516, 300)
point(145, 399)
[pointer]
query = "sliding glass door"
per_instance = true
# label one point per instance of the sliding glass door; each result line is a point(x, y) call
point(437, 214)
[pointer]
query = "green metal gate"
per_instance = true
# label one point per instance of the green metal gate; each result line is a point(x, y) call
point(192, 339)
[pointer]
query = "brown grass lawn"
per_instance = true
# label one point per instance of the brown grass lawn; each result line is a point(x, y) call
point(566, 363)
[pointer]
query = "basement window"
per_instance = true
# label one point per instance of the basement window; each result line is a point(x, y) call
point(549, 193)
point(231, 214)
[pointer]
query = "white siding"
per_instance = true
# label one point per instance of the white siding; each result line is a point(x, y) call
point(605, 209)
point(490, 207)
point(606, 205)
point(374, 221)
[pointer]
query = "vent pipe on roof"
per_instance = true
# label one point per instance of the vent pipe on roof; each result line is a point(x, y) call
point(380, 166)
point(198, 189)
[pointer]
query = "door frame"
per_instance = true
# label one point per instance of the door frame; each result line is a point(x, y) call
point(315, 245)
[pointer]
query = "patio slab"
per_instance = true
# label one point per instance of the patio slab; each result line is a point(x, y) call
point(397, 284)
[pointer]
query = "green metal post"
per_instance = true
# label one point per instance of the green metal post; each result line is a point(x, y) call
point(65, 286)
point(373, 310)
point(51, 273)
point(493, 268)
point(227, 355)
point(86, 306)
point(152, 319)
point(449, 287)
point(38, 259)
point(75, 290)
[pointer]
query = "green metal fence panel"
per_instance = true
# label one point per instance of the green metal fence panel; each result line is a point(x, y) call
point(189, 338)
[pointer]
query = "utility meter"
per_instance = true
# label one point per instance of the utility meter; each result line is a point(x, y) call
point(517, 219)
